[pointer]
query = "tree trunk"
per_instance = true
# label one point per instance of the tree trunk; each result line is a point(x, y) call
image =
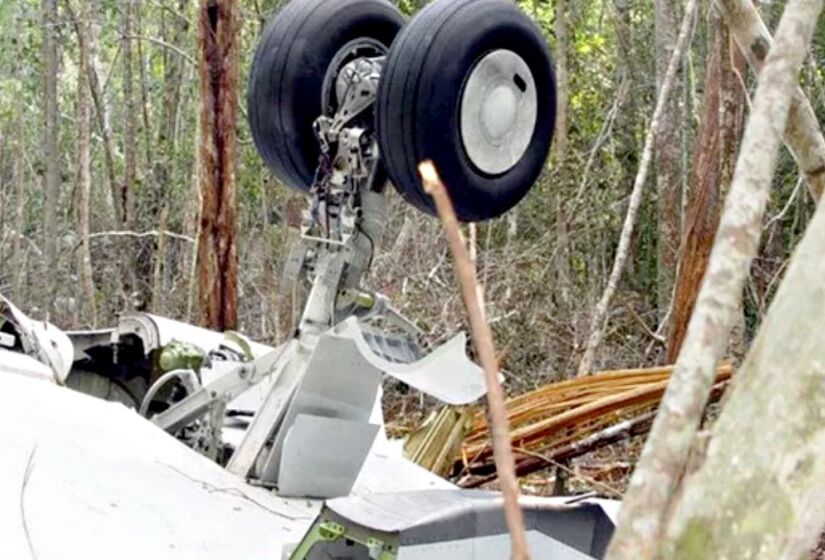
point(626, 144)
point(18, 258)
point(661, 467)
point(764, 466)
point(129, 153)
point(158, 289)
point(143, 80)
point(4, 199)
point(175, 30)
point(83, 178)
point(734, 101)
point(668, 158)
point(562, 88)
point(113, 196)
point(217, 250)
point(51, 177)
point(711, 173)
point(598, 323)
point(802, 133)
point(562, 258)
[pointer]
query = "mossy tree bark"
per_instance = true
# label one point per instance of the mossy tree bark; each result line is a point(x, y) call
point(661, 467)
point(759, 493)
point(803, 135)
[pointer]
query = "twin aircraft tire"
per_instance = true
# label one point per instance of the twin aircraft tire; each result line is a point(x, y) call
point(287, 78)
point(466, 83)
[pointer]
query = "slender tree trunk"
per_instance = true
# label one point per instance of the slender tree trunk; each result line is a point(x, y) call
point(803, 135)
point(714, 155)
point(144, 90)
point(192, 226)
point(152, 199)
point(734, 101)
point(561, 148)
point(158, 288)
point(562, 88)
point(626, 145)
point(764, 465)
point(598, 323)
point(51, 177)
point(217, 250)
point(4, 198)
point(668, 158)
point(18, 258)
point(131, 287)
point(83, 176)
point(175, 29)
point(627, 149)
point(113, 196)
point(661, 467)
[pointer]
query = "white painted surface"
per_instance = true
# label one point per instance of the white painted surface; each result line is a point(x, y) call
point(103, 483)
point(21, 364)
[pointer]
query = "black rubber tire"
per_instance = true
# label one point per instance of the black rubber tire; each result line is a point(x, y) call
point(287, 75)
point(419, 103)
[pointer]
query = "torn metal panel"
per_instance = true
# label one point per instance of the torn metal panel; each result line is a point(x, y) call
point(446, 373)
point(38, 339)
point(82, 341)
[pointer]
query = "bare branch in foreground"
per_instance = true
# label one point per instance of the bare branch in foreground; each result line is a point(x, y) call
point(483, 342)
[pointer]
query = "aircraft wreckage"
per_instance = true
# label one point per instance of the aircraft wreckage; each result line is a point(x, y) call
point(157, 439)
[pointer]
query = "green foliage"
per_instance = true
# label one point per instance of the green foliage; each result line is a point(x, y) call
point(590, 188)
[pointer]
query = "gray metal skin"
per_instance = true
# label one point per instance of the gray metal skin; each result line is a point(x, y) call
point(445, 524)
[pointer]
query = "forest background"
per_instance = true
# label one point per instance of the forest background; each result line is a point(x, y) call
point(99, 184)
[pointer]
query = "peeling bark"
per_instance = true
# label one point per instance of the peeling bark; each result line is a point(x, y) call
point(703, 206)
point(663, 461)
point(217, 249)
point(714, 154)
point(764, 466)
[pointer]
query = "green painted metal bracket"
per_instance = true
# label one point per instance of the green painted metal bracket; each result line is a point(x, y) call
point(328, 531)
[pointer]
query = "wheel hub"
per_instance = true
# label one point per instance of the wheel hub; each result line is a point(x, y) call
point(499, 109)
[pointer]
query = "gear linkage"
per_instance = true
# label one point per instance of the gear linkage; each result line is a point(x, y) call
point(347, 210)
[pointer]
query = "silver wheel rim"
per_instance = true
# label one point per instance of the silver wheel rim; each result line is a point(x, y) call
point(499, 108)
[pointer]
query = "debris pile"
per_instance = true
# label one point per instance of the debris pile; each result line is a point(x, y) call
point(554, 423)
